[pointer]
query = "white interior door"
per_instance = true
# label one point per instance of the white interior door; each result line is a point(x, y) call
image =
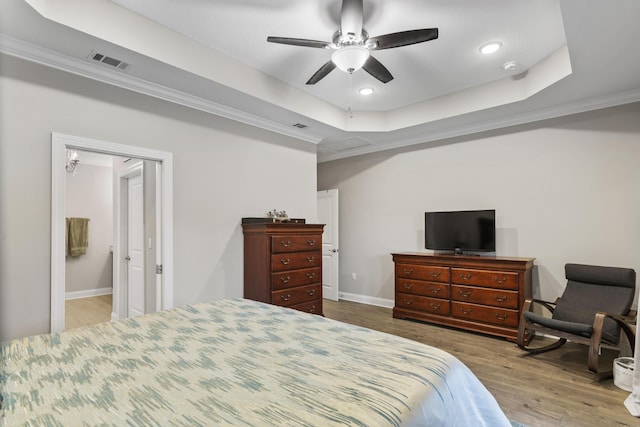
point(328, 215)
point(158, 293)
point(135, 247)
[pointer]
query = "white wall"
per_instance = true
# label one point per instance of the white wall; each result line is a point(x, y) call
point(89, 194)
point(564, 190)
point(223, 170)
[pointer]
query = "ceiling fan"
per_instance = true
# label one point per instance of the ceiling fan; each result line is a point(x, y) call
point(352, 44)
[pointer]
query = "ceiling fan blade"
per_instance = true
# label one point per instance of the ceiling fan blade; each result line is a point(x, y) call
point(299, 42)
point(351, 18)
point(403, 38)
point(377, 70)
point(321, 73)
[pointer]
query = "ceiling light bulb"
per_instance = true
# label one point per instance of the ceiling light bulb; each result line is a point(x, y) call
point(366, 91)
point(350, 58)
point(490, 47)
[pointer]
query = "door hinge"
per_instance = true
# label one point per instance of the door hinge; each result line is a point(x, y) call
point(159, 269)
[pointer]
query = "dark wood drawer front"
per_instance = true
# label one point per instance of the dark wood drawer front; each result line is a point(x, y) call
point(492, 279)
point(426, 304)
point(422, 272)
point(417, 287)
point(313, 307)
point(283, 244)
point(486, 314)
point(284, 262)
point(291, 279)
point(288, 297)
point(495, 297)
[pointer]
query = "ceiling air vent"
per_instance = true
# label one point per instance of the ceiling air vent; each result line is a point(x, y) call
point(299, 126)
point(99, 57)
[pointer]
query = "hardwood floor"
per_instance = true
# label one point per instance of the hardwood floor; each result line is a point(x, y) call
point(549, 389)
point(87, 311)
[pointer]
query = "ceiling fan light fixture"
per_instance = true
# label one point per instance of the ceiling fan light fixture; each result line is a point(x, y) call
point(491, 47)
point(350, 58)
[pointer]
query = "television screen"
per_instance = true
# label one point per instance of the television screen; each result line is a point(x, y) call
point(459, 231)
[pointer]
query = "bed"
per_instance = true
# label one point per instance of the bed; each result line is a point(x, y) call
point(236, 362)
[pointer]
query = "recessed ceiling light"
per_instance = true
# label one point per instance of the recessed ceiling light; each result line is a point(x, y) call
point(366, 91)
point(490, 47)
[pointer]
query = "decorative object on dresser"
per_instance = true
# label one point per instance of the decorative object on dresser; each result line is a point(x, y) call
point(283, 264)
point(477, 293)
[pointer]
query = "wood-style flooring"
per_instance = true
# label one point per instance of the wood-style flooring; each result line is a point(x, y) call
point(549, 389)
point(87, 311)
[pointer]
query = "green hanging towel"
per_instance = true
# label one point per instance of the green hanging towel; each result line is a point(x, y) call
point(77, 236)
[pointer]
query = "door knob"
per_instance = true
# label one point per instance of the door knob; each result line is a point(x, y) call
point(128, 258)
point(334, 250)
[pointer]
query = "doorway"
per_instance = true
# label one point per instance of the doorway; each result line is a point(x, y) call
point(89, 266)
point(164, 227)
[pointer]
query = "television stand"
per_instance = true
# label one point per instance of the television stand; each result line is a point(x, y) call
point(476, 293)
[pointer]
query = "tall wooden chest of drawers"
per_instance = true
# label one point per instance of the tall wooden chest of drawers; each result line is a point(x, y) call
point(476, 293)
point(283, 265)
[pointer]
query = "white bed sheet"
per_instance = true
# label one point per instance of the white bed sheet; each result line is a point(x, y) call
point(237, 362)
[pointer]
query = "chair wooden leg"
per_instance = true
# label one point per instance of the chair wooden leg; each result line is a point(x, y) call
point(523, 337)
point(594, 347)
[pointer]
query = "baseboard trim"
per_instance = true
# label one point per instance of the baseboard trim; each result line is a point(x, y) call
point(88, 293)
point(365, 299)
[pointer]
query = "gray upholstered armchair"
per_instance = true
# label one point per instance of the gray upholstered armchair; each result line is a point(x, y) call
point(593, 309)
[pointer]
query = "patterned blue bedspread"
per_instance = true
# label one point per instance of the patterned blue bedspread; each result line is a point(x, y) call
point(236, 363)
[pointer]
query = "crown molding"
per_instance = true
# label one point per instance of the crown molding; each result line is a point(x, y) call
point(33, 53)
point(576, 107)
point(43, 56)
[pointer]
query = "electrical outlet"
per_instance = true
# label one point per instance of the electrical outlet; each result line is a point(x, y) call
point(353, 276)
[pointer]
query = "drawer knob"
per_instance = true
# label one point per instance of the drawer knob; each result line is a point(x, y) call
point(434, 274)
point(463, 311)
point(285, 279)
point(285, 261)
point(503, 317)
point(465, 276)
point(407, 286)
point(311, 292)
point(500, 299)
point(435, 290)
point(465, 294)
point(435, 306)
point(500, 281)
point(407, 271)
point(311, 275)
point(311, 242)
point(311, 309)
point(407, 301)
point(285, 244)
point(286, 297)
point(311, 258)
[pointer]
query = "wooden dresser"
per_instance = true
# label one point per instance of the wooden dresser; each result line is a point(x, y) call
point(476, 293)
point(283, 265)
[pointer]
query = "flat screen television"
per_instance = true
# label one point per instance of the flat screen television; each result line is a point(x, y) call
point(460, 231)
